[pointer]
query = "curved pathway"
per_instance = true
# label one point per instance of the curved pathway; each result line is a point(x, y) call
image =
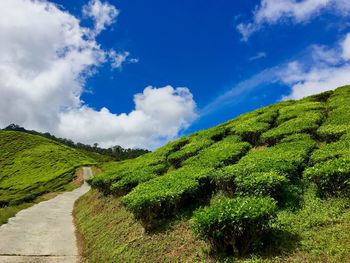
point(44, 232)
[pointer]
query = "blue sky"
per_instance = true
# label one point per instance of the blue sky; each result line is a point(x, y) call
point(233, 56)
point(195, 44)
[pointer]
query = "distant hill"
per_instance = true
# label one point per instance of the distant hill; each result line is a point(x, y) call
point(251, 178)
point(116, 153)
point(31, 165)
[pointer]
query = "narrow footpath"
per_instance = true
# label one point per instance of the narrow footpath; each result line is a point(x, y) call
point(44, 232)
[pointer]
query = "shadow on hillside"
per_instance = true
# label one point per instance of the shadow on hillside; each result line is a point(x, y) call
point(276, 243)
point(185, 214)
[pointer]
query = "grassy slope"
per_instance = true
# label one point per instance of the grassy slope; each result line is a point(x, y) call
point(315, 231)
point(318, 232)
point(30, 166)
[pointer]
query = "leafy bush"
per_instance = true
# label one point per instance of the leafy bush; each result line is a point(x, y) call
point(251, 125)
point(137, 176)
point(222, 153)
point(331, 133)
point(163, 196)
point(331, 177)
point(233, 225)
point(261, 184)
point(298, 109)
point(333, 150)
point(338, 121)
point(122, 178)
point(306, 123)
point(196, 144)
point(287, 158)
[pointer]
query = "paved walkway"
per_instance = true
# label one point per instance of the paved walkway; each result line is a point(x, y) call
point(44, 232)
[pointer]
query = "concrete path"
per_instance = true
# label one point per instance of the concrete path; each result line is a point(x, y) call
point(44, 232)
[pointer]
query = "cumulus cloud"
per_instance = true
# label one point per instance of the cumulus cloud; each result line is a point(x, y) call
point(103, 14)
point(158, 116)
point(275, 11)
point(46, 56)
point(328, 69)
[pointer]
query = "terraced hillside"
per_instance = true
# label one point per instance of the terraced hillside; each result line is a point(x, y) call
point(238, 179)
point(31, 165)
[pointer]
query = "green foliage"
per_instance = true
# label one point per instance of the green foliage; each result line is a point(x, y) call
point(338, 121)
point(298, 109)
point(305, 123)
point(287, 158)
point(125, 176)
point(233, 225)
point(261, 184)
point(165, 195)
point(332, 177)
point(333, 150)
point(31, 165)
point(251, 125)
point(225, 152)
point(197, 142)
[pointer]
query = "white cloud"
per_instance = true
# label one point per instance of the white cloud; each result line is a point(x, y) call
point(346, 47)
point(260, 55)
point(118, 59)
point(45, 58)
point(275, 11)
point(103, 14)
point(158, 116)
point(328, 69)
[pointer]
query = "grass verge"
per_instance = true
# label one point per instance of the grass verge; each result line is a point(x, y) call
point(317, 232)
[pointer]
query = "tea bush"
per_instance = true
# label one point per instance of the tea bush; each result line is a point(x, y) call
point(197, 142)
point(225, 152)
point(233, 225)
point(163, 196)
point(305, 123)
point(333, 150)
point(261, 184)
point(298, 109)
point(332, 177)
point(287, 158)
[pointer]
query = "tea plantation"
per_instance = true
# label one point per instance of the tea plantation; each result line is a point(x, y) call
point(31, 165)
point(242, 187)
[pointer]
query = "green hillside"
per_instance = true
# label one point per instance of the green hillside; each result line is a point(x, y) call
point(31, 165)
point(264, 186)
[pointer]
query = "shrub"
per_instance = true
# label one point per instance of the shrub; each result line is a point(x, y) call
point(333, 150)
point(233, 225)
point(250, 126)
point(321, 97)
point(189, 150)
point(137, 176)
point(261, 184)
point(122, 178)
point(163, 196)
point(197, 142)
point(332, 132)
point(225, 152)
point(297, 110)
point(331, 177)
point(287, 158)
point(307, 123)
